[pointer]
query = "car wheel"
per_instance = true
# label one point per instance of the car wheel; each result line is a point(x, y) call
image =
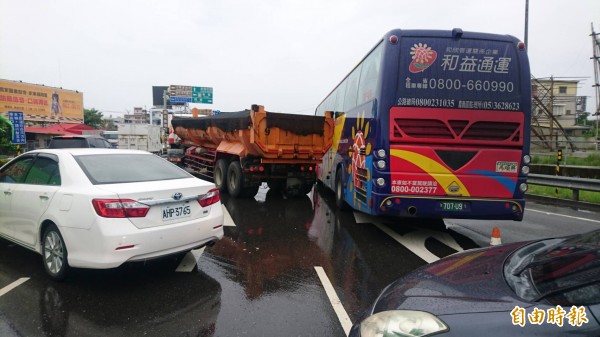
point(235, 179)
point(339, 193)
point(54, 253)
point(220, 176)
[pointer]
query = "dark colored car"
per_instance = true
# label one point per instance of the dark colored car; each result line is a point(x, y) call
point(79, 141)
point(549, 287)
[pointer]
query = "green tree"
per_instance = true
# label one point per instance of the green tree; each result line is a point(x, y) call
point(109, 125)
point(582, 119)
point(92, 117)
point(5, 137)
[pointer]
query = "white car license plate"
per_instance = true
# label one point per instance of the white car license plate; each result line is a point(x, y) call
point(176, 211)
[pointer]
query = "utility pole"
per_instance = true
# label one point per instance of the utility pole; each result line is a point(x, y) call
point(526, 23)
point(596, 59)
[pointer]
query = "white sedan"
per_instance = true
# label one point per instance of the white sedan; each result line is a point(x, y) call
point(99, 208)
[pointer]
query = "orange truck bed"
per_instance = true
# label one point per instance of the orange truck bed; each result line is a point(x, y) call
point(275, 138)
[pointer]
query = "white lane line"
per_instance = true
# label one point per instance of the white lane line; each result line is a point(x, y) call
point(413, 244)
point(566, 216)
point(13, 285)
point(190, 260)
point(335, 301)
point(227, 220)
point(413, 241)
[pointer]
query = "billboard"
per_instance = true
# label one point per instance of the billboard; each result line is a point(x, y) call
point(41, 103)
point(157, 96)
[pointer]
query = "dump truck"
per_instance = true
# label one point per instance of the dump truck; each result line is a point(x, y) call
point(240, 150)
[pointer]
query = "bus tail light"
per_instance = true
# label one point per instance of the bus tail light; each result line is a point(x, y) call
point(525, 169)
point(380, 164)
point(526, 159)
point(380, 182)
point(523, 187)
point(380, 153)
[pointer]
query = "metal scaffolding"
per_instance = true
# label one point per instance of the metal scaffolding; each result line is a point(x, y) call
point(544, 124)
point(596, 59)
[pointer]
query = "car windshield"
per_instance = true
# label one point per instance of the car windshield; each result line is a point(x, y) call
point(560, 271)
point(128, 168)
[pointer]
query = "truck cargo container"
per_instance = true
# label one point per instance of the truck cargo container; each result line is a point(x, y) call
point(145, 137)
point(240, 150)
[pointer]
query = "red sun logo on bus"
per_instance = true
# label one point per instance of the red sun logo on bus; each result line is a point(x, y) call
point(422, 58)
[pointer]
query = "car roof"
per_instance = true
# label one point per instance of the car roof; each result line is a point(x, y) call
point(85, 150)
point(78, 136)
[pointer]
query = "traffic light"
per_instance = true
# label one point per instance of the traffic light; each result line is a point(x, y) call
point(559, 155)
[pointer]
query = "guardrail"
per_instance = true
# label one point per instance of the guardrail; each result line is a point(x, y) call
point(575, 184)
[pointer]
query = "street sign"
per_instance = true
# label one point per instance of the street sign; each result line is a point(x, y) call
point(180, 90)
point(189, 94)
point(16, 117)
point(180, 99)
point(202, 95)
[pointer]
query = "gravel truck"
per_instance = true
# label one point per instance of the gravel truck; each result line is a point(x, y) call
point(240, 150)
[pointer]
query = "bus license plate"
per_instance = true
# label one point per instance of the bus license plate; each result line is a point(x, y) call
point(453, 206)
point(176, 211)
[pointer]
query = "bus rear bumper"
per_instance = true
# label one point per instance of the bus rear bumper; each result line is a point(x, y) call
point(448, 207)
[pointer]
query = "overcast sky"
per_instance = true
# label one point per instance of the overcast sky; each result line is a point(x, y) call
point(285, 55)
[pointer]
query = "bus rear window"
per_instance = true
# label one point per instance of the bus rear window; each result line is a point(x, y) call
point(458, 73)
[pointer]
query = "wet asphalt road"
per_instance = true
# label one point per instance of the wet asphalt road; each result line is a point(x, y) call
point(259, 280)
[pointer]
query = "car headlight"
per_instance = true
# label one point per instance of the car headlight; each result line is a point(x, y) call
point(405, 323)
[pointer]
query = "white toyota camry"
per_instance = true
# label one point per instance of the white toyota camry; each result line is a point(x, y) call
point(99, 208)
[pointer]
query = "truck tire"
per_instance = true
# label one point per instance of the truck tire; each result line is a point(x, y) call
point(235, 179)
point(339, 193)
point(220, 175)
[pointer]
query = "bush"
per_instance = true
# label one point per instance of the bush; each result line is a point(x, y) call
point(591, 160)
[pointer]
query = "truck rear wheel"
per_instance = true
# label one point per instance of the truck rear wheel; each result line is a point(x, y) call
point(235, 179)
point(220, 175)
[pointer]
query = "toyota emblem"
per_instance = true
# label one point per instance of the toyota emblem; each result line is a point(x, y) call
point(177, 196)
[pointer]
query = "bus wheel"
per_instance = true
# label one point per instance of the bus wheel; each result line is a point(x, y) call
point(220, 176)
point(339, 193)
point(235, 179)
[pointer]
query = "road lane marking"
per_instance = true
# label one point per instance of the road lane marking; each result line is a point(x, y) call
point(190, 260)
point(13, 285)
point(413, 241)
point(566, 216)
point(335, 300)
point(227, 220)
